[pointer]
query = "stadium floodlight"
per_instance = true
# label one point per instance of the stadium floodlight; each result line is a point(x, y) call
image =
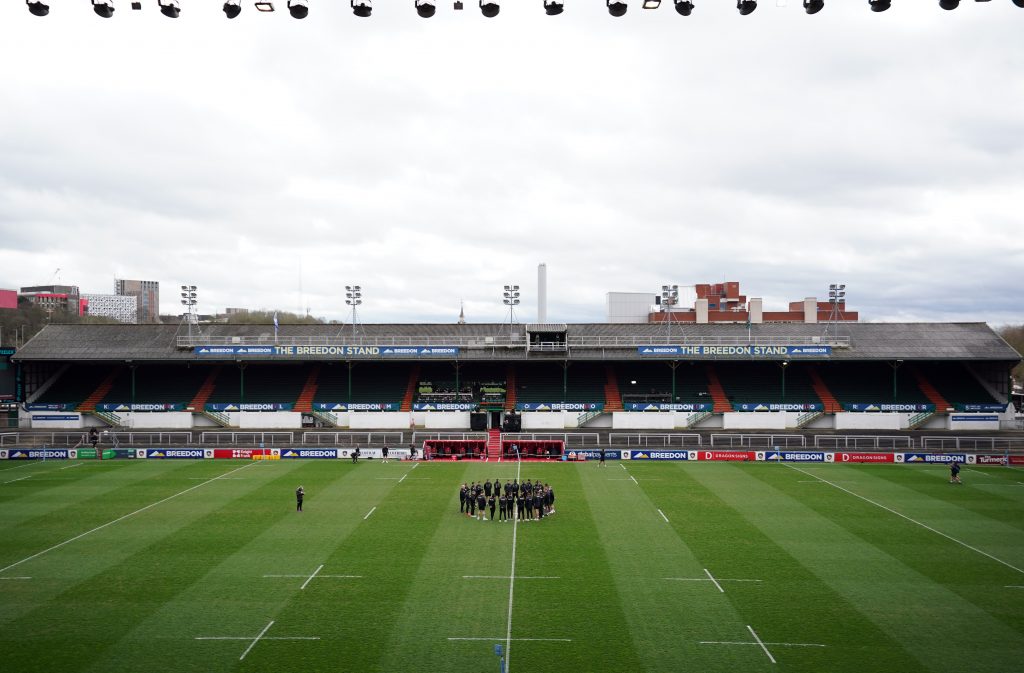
point(169, 8)
point(299, 9)
point(37, 8)
point(616, 7)
point(189, 301)
point(511, 299)
point(362, 8)
point(652, 4)
point(746, 6)
point(264, 6)
point(684, 7)
point(489, 8)
point(949, 4)
point(669, 298)
point(879, 5)
point(104, 8)
point(354, 297)
point(813, 6)
point(425, 8)
point(554, 7)
point(232, 8)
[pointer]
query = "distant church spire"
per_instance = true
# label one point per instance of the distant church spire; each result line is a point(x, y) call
point(462, 313)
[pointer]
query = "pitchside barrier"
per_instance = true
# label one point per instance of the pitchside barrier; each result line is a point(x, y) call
point(774, 455)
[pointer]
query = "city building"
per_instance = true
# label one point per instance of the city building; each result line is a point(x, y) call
point(122, 308)
point(147, 295)
point(54, 298)
point(722, 303)
point(8, 299)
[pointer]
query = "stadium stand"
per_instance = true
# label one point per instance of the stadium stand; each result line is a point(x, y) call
point(271, 384)
point(156, 384)
point(76, 384)
point(372, 383)
point(546, 382)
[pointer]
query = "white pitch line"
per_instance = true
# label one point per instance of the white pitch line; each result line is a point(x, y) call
point(712, 578)
point(320, 576)
point(14, 480)
point(121, 518)
point(15, 578)
point(663, 516)
point(702, 579)
point(264, 638)
point(512, 582)
point(1008, 586)
point(369, 513)
point(623, 479)
point(17, 467)
point(257, 639)
point(414, 466)
point(545, 640)
point(738, 642)
point(310, 578)
point(67, 467)
point(634, 480)
point(904, 516)
point(506, 577)
point(753, 633)
point(221, 478)
point(622, 466)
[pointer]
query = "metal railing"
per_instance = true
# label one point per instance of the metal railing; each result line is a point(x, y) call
point(758, 441)
point(847, 442)
point(8, 438)
point(654, 439)
point(420, 437)
point(321, 438)
point(570, 438)
point(505, 340)
point(229, 438)
point(972, 443)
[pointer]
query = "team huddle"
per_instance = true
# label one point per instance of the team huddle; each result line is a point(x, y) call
point(527, 501)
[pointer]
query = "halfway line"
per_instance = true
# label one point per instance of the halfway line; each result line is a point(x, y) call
point(506, 577)
point(512, 581)
point(546, 640)
point(122, 518)
point(14, 480)
point(369, 513)
point(904, 516)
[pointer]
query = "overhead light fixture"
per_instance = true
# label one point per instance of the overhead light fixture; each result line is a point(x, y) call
point(553, 7)
point(616, 7)
point(232, 8)
point(104, 8)
point(265, 6)
point(652, 4)
point(362, 8)
point(37, 8)
point(169, 8)
point(949, 4)
point(746, 6)
point(425, 8)
point(684, 7)
point(814, 6)
point(879, 5)
point(298, 8)
point(489, 8)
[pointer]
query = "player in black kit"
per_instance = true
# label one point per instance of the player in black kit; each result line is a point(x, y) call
point(463, 492)
point(491, 503)
point(503, 506)
point(300, 493)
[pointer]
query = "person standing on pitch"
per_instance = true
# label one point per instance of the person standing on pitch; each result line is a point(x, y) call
point(602, 463)
point(954, 473)
point(503, 506)
point(490, 503)
point(300, 493)
point(384, 454)
point(481, 502)
point(463, 491)
point(487, 488)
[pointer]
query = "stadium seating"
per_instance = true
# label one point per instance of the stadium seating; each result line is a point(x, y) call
point(75, 384)
point(753, 382)
point(955, 383)
point(652, 382)
point(544, 383)
point(157, 384)
point(263, 384)
point(371, 383)
point(870, 382)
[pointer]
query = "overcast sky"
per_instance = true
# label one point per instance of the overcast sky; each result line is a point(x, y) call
point(433, 161)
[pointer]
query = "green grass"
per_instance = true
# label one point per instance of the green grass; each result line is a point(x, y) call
point(881, 592)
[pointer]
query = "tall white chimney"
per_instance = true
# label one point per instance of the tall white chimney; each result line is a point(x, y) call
point(542, 293)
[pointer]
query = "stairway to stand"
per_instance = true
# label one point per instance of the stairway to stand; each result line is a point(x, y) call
point(305, 402)
point(721, 400)
point(510, 388)
point(410, 388)
point(612, 396)
point(494, 444)
point(829, 401)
